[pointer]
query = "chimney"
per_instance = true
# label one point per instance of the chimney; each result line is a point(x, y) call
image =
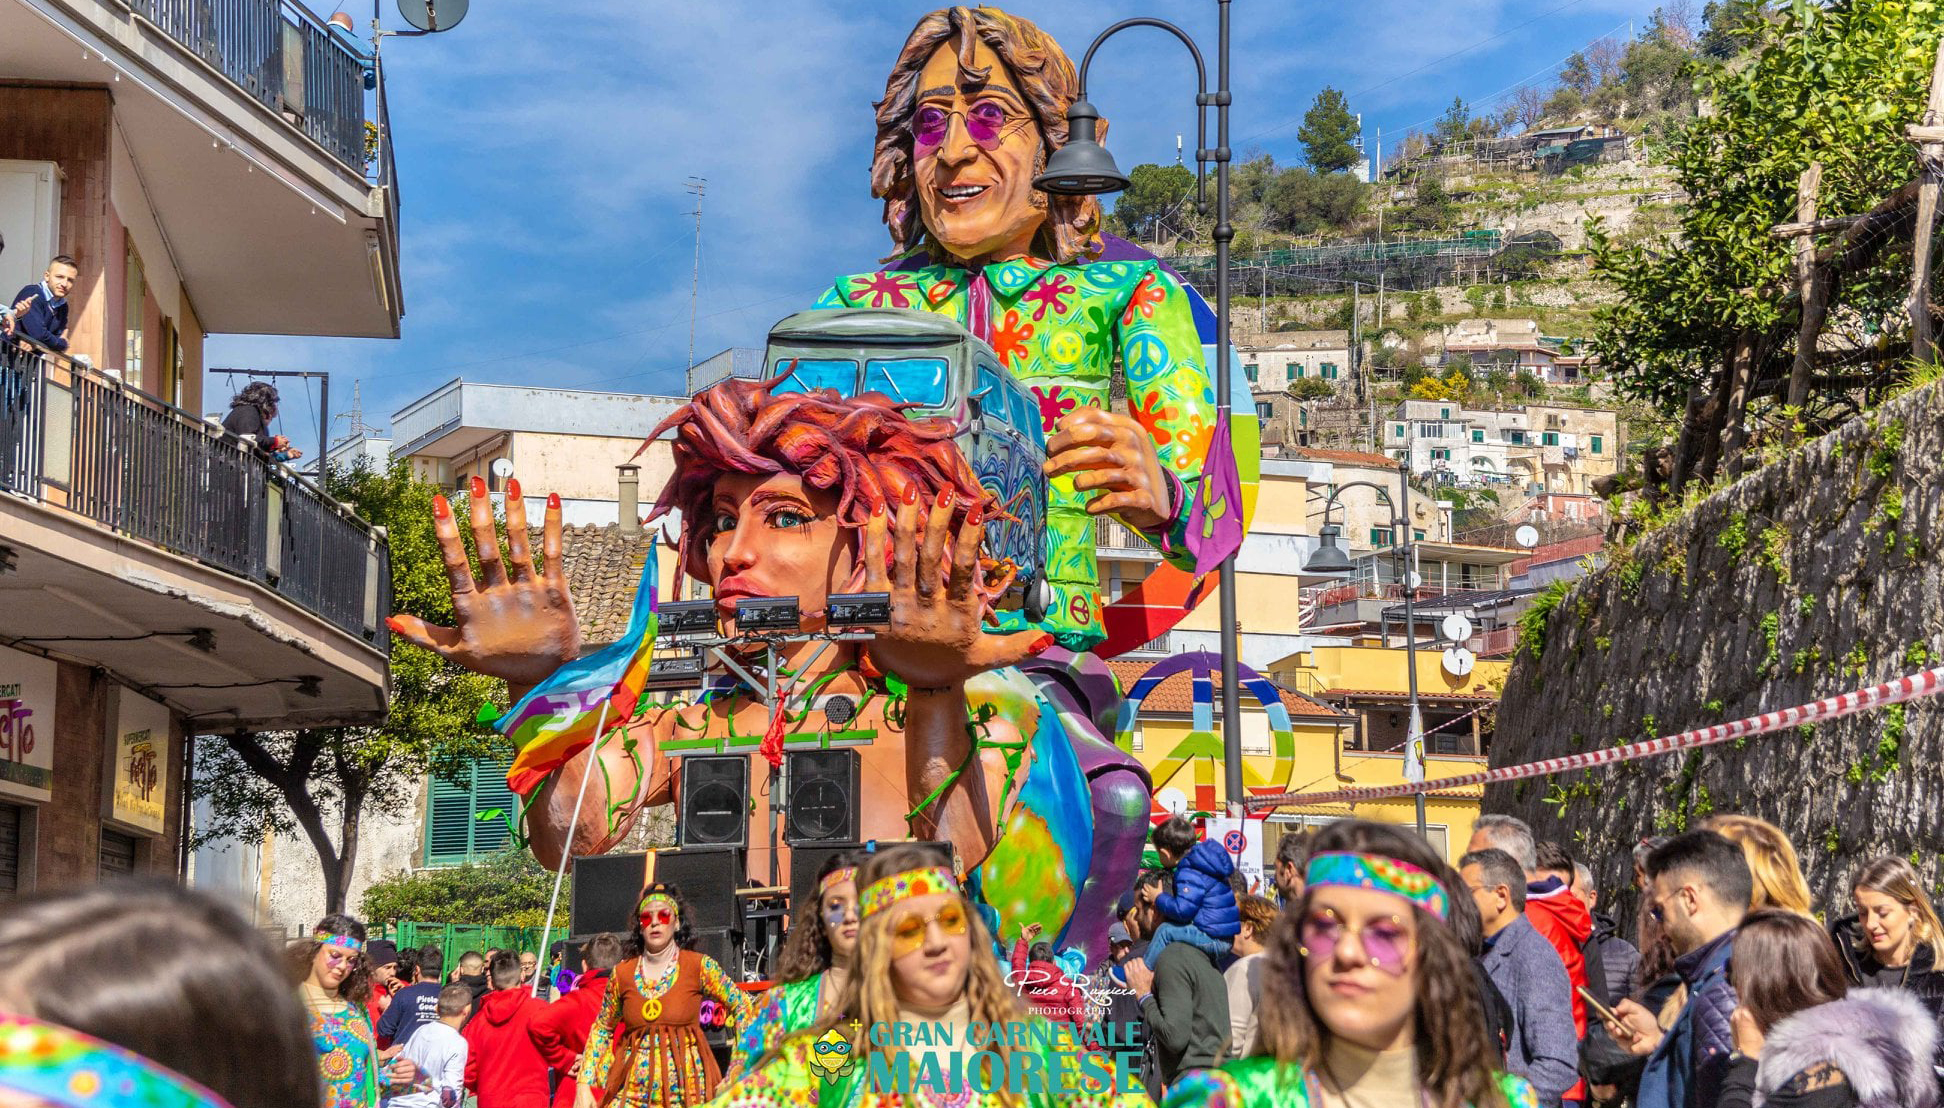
point(630, 511)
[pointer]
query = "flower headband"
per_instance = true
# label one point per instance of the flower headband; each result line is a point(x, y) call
point(835, 878)
point(1379, 874)
point(342, 942)
point(72, 1070)
point(887, 891)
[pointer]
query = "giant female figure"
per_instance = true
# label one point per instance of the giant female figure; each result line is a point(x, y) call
point(809, 495)
point(975, 103)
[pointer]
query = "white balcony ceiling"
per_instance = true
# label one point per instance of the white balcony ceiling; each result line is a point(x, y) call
point(87, 595)
point(271, 234)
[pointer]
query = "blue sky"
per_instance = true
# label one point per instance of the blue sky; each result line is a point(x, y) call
point(543, 150)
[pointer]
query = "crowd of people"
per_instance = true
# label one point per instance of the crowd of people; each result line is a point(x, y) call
point(1384, 976)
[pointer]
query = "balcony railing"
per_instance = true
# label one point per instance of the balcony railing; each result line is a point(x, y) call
point(1111, 534)
point(82, 441)
point(281, 55)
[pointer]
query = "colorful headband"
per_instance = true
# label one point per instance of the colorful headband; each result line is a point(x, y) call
point(662, 898)
point(1379, 874)
point(342, 942)
point(72, 1070)
point(835, 878)
point(887, 891)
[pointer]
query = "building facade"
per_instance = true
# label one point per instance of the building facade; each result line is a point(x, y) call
point(161, 580)
point(1534, 448)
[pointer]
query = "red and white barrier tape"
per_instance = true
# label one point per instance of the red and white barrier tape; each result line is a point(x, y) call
point(1929, 682)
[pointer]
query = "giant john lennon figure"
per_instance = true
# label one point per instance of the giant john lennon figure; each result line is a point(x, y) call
point(993, 739)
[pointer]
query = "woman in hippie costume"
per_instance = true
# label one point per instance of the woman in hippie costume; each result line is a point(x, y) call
point(336, 984)
point(1368, 998)
point(647, 1047)
point(924, 1007)
point(813, 968)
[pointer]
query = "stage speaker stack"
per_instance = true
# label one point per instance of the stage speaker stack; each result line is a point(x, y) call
point(823, 797)
point(606, 888)
point(714, 794)
point(805, 861)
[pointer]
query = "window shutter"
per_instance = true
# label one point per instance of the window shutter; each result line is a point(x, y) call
point(490, 792)
point(448, 831)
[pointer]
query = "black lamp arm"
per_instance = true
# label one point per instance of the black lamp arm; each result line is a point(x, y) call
point(1336, 495)
point(1202, 99)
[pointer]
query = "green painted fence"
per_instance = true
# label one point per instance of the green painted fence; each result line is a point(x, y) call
point(454, 939)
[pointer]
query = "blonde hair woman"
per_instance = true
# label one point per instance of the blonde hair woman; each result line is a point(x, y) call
point(925, 985)
point(1892, 940)
point(1771, 860)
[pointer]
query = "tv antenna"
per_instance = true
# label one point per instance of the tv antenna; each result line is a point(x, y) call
point(696, 186)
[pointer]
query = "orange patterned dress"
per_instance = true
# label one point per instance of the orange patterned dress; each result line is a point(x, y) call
point(647, 1046)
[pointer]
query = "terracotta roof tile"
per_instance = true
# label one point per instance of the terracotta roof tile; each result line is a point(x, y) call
point(1347, 457)
point(602, 567)
point(1176, 694)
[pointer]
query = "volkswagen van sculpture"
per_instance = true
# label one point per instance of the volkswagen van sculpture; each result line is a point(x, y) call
point(940, 369)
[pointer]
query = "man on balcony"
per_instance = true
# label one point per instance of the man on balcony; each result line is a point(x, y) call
point(41, 310)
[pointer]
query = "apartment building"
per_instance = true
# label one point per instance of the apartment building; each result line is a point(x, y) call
point(1514, 346)
point(1274, 360)
point(1535, 448)
point(158, 580)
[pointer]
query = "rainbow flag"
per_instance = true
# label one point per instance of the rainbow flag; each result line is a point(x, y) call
point(557, 720)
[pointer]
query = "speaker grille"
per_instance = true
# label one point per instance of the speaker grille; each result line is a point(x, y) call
point(708, 878)
point(715, 801)
point(823, 797)
point(605, 888)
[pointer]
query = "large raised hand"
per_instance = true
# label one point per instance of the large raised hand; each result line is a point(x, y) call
point(1114, 454)
point(511, 621)
point(937, 638)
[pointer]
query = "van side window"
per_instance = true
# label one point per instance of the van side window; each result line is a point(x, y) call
point(816, 373)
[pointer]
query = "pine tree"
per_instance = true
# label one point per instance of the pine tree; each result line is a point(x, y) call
point(1329, 133)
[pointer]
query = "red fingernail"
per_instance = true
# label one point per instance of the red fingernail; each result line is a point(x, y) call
point(395, 624)
point(479, 486)
point(440, 507)
point(945, 499)
point(513, 489)
point(553, 501)
point(911, 494)
point(975, 513)
point(1041, 644)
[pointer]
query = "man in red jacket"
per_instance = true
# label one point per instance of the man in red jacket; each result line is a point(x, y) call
point(503, 1067)
point(560, 1032)
point(1551, 908)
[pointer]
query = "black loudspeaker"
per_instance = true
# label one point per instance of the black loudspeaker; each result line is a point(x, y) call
point(605, 890)
point(708, 878)
point(805, 861)
point(714, 801)
point(823, 797)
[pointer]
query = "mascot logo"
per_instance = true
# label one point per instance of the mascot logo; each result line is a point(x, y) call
point(831, 1056)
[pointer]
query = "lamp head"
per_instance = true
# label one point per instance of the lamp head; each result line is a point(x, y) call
point(1082, 167)
point(1329, 559)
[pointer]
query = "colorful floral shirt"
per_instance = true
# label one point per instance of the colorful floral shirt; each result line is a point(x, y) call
point(347, 1054)
point(787, 1008)
point(1061, 330)
point(1262, 1082)
point(647, 1047)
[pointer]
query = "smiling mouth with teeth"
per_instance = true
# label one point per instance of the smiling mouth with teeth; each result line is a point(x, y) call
point(961, 192)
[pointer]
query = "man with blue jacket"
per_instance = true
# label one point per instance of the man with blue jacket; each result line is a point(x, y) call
point(1699, 889)
point(1202, 909)
point(41, 310)
point(1528, 973)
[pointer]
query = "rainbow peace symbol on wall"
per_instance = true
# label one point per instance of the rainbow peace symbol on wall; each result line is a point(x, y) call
point(1202, 747)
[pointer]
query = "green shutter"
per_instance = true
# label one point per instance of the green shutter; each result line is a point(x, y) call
point(1596, 444)
point(454, 833)
point(1478, 436)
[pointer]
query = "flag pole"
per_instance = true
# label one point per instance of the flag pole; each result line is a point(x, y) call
point(573, 824)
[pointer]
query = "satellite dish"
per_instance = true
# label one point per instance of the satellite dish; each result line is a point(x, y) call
point(1457, 628)
point(1527, 536)
point(1173, 800)
point(433, 15)
point(1413, 581)
point(502, 468)
point(1458, 661)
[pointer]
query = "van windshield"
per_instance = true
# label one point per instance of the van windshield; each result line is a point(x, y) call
point(817, 373)
point(921, 381)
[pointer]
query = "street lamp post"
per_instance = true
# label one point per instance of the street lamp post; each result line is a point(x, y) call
point(1328, 559)
point(1084, 167)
